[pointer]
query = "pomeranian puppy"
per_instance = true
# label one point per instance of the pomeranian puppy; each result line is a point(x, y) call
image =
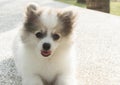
point(43, 49)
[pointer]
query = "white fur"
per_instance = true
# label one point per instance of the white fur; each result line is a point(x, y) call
point(49, 19)
point(33, 67)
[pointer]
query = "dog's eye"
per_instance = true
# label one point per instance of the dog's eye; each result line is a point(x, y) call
point(39, 35)
point(56, 36)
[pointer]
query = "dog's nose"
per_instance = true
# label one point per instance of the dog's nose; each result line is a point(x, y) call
point(46, 46)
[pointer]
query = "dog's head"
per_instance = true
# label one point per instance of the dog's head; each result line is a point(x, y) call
point(46, 28)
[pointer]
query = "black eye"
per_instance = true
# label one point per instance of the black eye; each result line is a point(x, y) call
point(39, 35)
point(56, 36)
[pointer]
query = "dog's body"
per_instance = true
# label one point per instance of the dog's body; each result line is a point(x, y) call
point(44, 50)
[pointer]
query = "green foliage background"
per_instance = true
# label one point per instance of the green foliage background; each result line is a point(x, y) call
point(114, 6)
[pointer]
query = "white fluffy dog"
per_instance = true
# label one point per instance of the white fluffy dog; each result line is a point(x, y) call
point(43, 49)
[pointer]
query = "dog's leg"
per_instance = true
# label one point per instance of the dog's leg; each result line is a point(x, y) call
point(65, 80)
point(32, 80)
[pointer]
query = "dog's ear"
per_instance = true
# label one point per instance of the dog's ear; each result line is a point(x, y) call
point(31, 9)
point(67, 20)
point(67, 16)
point(31, 16)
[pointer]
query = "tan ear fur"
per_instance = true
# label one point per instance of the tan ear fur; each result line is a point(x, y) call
point(31, 15)
point(31, 9)
point(67, 20)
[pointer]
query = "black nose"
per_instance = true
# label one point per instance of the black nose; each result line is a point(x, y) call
point(46, 46)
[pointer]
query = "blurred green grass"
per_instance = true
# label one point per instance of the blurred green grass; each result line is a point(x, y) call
point(73, 2)
point(114, 6)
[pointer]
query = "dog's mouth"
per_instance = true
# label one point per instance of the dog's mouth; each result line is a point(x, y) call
point(46, 53)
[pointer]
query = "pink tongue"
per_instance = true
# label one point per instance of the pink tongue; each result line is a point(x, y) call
point(45, 53)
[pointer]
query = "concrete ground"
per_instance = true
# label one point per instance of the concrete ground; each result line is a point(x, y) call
point(98, 43)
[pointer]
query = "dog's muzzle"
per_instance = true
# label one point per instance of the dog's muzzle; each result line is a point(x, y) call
point(46, 50)
point(45, 53)
point(46, 46)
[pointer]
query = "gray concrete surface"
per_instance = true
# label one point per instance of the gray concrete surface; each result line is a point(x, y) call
point(98, 43)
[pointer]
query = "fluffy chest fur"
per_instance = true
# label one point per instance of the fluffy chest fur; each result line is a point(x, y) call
point(47, 68)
